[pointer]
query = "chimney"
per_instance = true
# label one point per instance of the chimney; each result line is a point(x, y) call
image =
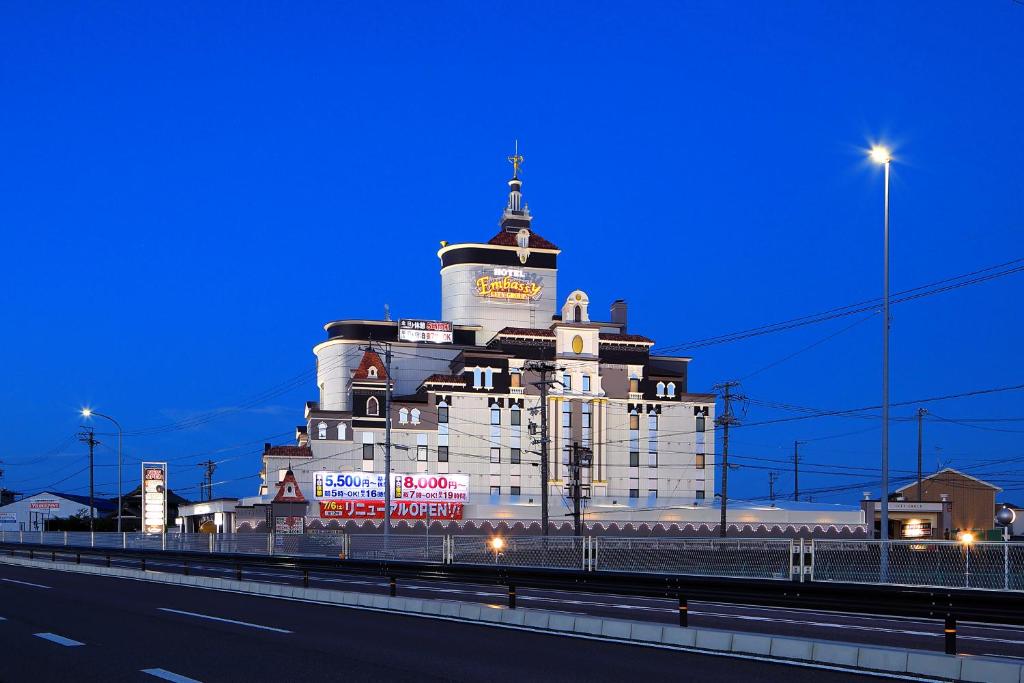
point(619, 313)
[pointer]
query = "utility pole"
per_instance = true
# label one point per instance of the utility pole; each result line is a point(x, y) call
point(387, 442)
point(725, 420)
point(921, 412)
point(544, 368)
point(796, 470)
point(206, 489)
point(581, 457)
point(89, 437)
point(772, 476)
point(387, 433)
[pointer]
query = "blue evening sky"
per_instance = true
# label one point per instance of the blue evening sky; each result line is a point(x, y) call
point(190, 190)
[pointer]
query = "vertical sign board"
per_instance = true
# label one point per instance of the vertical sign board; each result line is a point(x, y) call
point(154, 497)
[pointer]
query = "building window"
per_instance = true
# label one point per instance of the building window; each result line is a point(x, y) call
point(495, 490)
point(442, 454)
point(516, 378)
point(421, 453)
point(523, 238)
point(700, 495)
point(516, 416)
point(653, 493)
point(489, 378)
point(634, 458)
point(700, 461)
point(495, 416)
point(652, 439)
point(321, 395)
point(415, 416)
point(341, 431)
point(321, 430)
point(671, 389)
point(514, 490)
point(634, 493)
point(403, 416)
point(372, 406)
point(634, 421)
point(634, 384)
point(516, 455)
point(367, 451)
point(495, 455)
point(477, 384)
point(586, 382)
point(700, 423)
point(442, 413)
point(371, 372)
point(660, 389)
point(566, 381)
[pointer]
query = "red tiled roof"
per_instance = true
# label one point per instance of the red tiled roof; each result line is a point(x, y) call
point(289, 451)
point(508, 239)
point(370, 359)
point(611, 336)
point(525, 332)
point(445, 379)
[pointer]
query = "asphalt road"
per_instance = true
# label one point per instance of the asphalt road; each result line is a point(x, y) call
point(867, 628)
point(57, 626)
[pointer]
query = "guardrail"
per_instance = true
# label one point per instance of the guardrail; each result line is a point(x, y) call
point(939, 564)
point(188, 554)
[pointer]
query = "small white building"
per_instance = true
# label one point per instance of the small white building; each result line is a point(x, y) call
point(33, 512)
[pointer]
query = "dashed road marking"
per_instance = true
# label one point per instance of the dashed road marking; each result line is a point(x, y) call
point(169, 676)
point(222, 619)
point(25, 583)
point(60, 640)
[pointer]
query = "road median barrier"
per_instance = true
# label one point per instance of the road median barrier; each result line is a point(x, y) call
point(900, 662)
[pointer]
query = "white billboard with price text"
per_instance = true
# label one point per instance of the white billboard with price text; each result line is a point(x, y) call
point(430, 488)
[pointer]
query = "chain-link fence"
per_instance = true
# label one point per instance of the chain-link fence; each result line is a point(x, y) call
point(742, 558)
point(565, 552)
point(946, 564)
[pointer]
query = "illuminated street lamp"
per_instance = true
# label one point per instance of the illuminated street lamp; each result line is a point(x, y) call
point(497, 543)
point(881, 155)
point(89, 412)
point(967, 538)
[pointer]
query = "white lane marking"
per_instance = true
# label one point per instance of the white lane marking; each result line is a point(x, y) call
point(60, 640)
point(227, 621)
point(25, 583)
point(169, 676)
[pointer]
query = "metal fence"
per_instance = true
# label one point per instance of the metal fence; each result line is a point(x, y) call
point(741, 558)
point(944, 564)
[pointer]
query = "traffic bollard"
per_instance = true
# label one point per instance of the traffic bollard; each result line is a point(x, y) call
point(185, 567)
point(950, 632)
point(305, 578)
point(511, 597)
point(143, 562)
point(684, 611)
point(238, 572)
point(394, 587)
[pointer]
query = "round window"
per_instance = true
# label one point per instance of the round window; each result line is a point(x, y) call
point(577, 344)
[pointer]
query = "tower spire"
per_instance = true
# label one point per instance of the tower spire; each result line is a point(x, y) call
point(516, 160)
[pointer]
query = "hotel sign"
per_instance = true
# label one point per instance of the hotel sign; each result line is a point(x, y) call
point(154, 497)
point(508, 284)
point(433, 331)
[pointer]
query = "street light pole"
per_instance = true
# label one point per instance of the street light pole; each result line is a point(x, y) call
point(87, 412)
point(881, 155)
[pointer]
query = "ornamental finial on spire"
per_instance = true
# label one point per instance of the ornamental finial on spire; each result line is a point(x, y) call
point(516, 160)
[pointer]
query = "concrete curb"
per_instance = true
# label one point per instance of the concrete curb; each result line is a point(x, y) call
point(910, 664)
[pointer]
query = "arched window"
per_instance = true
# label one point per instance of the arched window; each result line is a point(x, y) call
point(322, 430)
point(660, 389)
point(341, 431)
point(477, 384)
point(415, 416)
point(578, 315)
point(372, 406)
point(516, 378)
point(403, 416)
point(489, 378)
point(671, 389)
point(372, 372)
point(523, 238)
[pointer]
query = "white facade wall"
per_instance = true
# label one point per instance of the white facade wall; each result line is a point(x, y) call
point(31, 513)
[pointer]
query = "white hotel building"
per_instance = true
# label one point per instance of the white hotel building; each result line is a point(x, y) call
point(471, 405)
